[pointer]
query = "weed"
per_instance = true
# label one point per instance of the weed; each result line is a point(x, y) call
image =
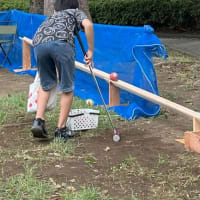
point(25, 186)
point(90, 159)
point(162, 159)
point(11, 107)
point(85, 194)
point(60, 148)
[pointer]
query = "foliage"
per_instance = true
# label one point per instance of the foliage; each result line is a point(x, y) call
point(14, 4)
point(170, 14)
point(173, 14)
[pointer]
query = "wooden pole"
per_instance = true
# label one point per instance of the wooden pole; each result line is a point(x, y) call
point(156, 99)
point(196, 125)
point(114, 95)
point(26, 56)
point(142, 93)
point(138, 91)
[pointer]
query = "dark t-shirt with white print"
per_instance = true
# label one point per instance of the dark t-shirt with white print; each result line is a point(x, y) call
point(59, 26)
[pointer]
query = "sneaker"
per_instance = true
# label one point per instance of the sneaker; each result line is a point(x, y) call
point(38, 129)
point(63, 133)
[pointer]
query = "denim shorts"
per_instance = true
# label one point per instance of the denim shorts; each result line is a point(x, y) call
point(56, 55)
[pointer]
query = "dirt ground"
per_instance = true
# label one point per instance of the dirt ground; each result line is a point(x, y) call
point(148, 140)
point(12, 83)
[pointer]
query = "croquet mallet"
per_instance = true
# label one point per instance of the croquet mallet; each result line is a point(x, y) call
point(116, 135)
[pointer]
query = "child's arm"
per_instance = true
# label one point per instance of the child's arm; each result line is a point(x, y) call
point(88, 28)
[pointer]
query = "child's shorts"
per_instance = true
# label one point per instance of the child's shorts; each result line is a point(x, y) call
point(52, 55)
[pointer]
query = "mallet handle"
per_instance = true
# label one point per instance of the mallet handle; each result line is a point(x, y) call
point(95, 80)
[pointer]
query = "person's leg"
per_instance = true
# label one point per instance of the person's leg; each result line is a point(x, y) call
point(43, 97)
point(62, 132)
point(65, 106)
point(65, 63)
point(48, 80)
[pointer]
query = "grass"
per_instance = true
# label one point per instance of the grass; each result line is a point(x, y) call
point(167, 177)
point(85, 194)
point(163, 183)
point(60, 148)
point(162, 178)
point(12, 107)
point(55, 150)
point(25, 186)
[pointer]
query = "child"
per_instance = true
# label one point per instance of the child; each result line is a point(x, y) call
point(54, 50)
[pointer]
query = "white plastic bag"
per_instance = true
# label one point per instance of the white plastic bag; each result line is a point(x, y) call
point(33, 96)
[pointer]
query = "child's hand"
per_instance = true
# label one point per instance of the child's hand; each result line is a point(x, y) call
point(88, 58)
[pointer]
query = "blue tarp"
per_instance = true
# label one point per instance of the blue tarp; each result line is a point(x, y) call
point(129, 51)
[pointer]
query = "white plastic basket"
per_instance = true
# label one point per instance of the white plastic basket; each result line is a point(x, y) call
point(82, 119)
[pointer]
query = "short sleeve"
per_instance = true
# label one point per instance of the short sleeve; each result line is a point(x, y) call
point(80, 16)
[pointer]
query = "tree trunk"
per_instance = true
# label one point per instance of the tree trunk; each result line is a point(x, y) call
point(36, 6)
point(84, 7)
point(48, 7)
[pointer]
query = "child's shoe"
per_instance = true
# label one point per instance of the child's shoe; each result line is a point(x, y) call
point(63, 133)
point(38, 129)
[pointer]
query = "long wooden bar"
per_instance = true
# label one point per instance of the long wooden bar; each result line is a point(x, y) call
point(135, 90)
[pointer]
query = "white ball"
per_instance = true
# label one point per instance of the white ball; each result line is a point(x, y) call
point(90, 102)
point(116, 138)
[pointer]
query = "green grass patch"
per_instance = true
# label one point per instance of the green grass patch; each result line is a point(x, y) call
point(25, 186)
point(11, 107)
point(14, 106)
point(61, 148)
point(174, 178)
point(85, 194)
point(55, 150)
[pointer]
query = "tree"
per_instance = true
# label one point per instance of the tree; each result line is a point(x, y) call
point(46, 7)
point(84, 7)
point(36, 6)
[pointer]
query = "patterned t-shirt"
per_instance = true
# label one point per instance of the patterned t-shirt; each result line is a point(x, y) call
point(59, 26)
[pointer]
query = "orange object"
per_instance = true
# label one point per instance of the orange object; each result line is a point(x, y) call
point(192, 141)
point(114, 95)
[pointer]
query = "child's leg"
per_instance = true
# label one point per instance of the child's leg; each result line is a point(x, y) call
point(43, 97)
point(65, 106)
point(38, 128)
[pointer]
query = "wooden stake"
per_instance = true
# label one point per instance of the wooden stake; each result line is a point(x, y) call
point(192, 141)
point(187, 139)
point(196, 125)
point(114, 95)
point(26, 56)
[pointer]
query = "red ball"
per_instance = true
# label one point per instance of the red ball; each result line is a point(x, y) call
point(114, 76)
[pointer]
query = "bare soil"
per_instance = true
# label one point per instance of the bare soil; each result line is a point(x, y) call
point(11, 83)
point(150, 141)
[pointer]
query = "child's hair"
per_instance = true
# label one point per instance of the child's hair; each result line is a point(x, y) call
point(65, 4)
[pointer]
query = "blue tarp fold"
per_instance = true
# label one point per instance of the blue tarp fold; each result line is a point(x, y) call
point(129, 51)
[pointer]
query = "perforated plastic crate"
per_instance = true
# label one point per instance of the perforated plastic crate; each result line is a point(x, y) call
point(82, 119)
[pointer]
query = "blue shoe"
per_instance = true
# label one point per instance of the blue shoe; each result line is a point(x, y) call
point(38, 129)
